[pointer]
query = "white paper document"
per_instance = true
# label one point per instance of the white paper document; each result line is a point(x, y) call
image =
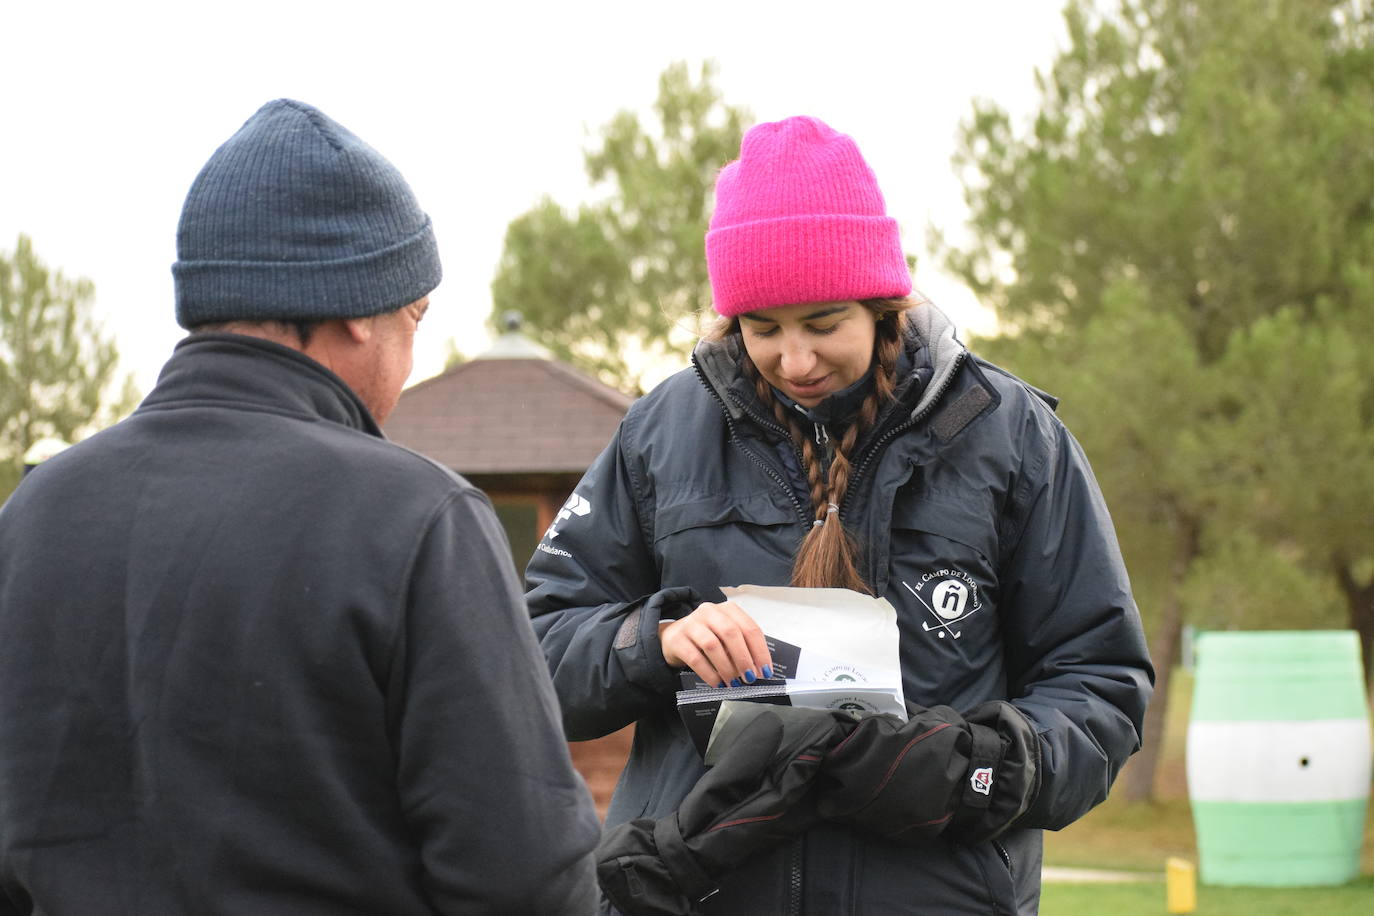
point(832, 649)
point(842, 634)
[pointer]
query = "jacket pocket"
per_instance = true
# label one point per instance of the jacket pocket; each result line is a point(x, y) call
point(943, 561)
point(997, 873)
point(708, 541)
point(718, 509)
point(970, 523)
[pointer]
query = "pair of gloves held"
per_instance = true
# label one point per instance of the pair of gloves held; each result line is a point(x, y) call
point(787, 768)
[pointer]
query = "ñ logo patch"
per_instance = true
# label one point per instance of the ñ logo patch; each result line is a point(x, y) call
point(949, 599)
point(949, 596)
point(981, 780)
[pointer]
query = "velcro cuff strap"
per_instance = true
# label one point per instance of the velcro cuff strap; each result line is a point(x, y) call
point(985, 757)
point(696, 885)
point(636, 642)
point(628, 635)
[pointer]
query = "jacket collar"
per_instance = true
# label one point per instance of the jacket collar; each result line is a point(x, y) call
point(235, 369)
point(835, 409)
point(945, 353)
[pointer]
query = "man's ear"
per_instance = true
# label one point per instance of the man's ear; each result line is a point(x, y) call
point(359, 329)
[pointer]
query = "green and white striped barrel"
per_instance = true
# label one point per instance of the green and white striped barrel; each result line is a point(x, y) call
point(1279, 757)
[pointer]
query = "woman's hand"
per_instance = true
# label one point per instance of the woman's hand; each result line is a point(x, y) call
point(719, 642)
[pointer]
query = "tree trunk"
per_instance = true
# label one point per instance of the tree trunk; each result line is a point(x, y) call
point(1138, 779)
point(1360, 601)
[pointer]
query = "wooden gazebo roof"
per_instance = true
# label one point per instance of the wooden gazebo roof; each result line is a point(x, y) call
point(510, 411)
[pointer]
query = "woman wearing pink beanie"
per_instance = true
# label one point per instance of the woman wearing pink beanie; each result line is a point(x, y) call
point(834, 433)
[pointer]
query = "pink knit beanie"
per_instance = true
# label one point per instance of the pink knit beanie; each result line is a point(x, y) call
point(799, 218)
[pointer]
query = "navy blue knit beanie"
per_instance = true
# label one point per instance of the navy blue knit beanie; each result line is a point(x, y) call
point(296, 218)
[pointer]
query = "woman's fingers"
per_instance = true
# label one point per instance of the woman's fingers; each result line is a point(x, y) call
point(689, 644)
point(719, 642)
point(756, 646)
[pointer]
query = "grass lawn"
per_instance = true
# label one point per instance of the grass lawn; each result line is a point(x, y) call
point(1140, 837)
point(1355, 899)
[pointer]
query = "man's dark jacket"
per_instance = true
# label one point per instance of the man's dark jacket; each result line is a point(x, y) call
point(255, 659)
point(981, 523)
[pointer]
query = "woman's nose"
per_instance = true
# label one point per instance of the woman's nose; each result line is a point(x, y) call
point(798, 359)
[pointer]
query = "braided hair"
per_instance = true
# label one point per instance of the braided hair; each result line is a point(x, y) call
point(827, 557)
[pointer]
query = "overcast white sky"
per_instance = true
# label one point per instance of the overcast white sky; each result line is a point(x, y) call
point(112, 108)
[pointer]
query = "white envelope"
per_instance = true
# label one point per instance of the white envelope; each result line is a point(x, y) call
point(835, 625)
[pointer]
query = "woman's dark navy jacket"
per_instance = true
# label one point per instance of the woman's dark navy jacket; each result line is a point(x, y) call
point(983, 526)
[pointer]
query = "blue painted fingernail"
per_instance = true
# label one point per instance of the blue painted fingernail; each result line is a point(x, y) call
point(721, 684)
point(749, 676)
point(734, 682)
point(767, 670)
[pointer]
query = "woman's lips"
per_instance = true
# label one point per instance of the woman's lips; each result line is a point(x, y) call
point(809, 388)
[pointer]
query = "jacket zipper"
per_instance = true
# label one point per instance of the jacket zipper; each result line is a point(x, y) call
point(734, 438)
point(795, 857)
point(794, 879)
point(824, 449)
point(877, 447)
point(863, 465)
point(1006, 857)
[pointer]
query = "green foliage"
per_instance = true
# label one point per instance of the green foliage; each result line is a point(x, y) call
point(1281, 591)
point(620, 281)
point(1219, 153)
point(1182, 245)
point(56, 365)
point(1135, 394)
point(1305, 449)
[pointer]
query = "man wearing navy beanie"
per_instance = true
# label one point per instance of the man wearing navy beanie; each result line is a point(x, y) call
point(255, 658)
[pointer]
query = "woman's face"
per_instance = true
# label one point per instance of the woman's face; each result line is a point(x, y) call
point(810, 351)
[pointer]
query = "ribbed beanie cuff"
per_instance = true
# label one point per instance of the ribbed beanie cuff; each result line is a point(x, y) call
point(810, 259)
point(799, 218)
point(295, 218)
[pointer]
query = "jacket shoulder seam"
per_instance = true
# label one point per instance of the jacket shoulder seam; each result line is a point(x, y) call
point(628, 431)
point(1050, 400)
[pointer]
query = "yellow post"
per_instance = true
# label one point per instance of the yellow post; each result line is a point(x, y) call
point(1180, 885)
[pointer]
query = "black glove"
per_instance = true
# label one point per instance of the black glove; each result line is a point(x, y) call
point(970, 776)
point(755, 797)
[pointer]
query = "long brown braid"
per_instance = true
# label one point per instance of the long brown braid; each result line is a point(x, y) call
point(827, 557)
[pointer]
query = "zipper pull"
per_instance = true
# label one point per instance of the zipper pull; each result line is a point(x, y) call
point(821, 435)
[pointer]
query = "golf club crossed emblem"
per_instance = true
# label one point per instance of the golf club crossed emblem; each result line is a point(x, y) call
point(951, 600)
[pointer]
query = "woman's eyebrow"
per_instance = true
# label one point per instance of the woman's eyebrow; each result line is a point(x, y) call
point(810, 316)
point(822, 313)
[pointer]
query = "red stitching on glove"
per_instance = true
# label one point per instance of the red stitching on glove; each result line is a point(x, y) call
point(746, 820)
point(836, 749)
point(897, 762)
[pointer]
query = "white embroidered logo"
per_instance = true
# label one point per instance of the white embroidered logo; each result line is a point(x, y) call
point(575, 505)
point(949, 599)
point(952, 597)
point(981, 780)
